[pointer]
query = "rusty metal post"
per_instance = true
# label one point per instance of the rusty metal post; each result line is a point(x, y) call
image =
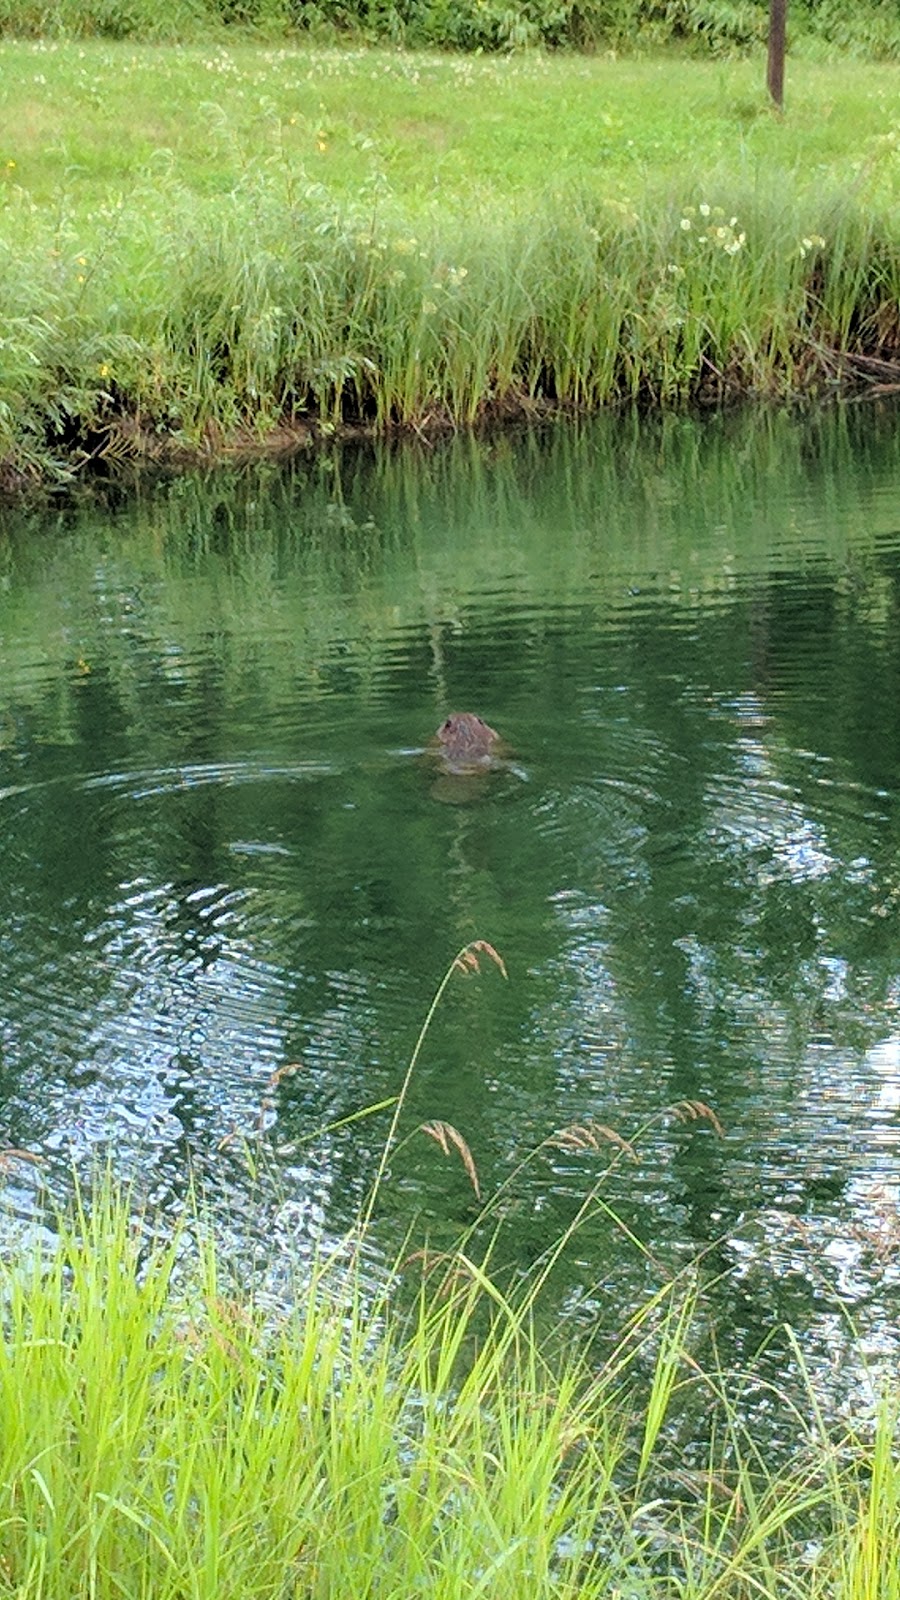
point(777, 32)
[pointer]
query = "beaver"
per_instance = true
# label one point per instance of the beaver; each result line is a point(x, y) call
point(466, 741)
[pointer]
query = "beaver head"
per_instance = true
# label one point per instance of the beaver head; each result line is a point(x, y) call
point(466, 739)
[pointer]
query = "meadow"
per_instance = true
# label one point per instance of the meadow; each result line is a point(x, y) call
point(229, 245)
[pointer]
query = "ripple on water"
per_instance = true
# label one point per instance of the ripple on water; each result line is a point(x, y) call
point(229, 894)
point(144, 785)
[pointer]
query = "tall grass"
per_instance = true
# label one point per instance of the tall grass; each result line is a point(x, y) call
point(169, 1432)
point(167, 1435)
point(185, 285)
point(165, 1438)
point(190, 325)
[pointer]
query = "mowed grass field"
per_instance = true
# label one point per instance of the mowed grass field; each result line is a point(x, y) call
point(201, 244)
point(83, 122)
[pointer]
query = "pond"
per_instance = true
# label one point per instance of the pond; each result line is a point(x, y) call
point(232, 877)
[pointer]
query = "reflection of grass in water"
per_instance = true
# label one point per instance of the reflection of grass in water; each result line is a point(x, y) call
point(166, 1436)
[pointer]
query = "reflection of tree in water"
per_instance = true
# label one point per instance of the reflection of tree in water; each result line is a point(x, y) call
point(693, 881)
point(766, 894)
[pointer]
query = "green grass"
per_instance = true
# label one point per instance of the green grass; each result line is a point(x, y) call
point(202, 245)
point(85, 122)
point(169, 1435)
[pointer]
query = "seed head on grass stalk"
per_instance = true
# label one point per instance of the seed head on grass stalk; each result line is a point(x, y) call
point(445, 1135)
point(466, 961)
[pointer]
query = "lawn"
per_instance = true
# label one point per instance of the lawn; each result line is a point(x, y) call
point(87, 121)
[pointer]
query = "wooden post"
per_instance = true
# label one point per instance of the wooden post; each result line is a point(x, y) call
point(777, 29)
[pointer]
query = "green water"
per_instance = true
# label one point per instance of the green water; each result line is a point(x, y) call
point(223, 852)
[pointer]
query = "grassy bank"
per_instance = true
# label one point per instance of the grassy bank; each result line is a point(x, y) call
point(165, 1435)
point(206, 247)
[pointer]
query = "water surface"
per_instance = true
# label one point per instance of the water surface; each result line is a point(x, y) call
point(223, 854)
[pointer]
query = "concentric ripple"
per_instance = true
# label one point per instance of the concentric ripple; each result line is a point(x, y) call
point(233, 869)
